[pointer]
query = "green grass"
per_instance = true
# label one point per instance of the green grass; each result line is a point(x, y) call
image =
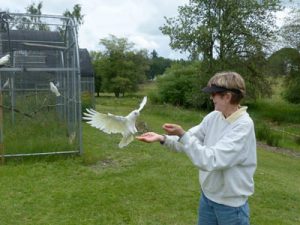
point(142, 184)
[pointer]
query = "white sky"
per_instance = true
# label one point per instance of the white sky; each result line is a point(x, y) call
point(137, 20)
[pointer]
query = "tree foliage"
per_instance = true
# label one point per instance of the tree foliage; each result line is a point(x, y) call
point(226, 35)
point(33, 22)
point(158, 65)
point(281, 61)
point(120, 66)
point(96, 62)
point(290, 31)
point(75, 14)
point(218, 29)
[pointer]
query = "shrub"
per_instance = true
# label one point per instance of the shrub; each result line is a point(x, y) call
point(181, 86)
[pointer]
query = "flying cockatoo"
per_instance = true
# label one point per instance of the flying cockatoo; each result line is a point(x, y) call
point(4, 60)
point(54, 89)
point(110, 123)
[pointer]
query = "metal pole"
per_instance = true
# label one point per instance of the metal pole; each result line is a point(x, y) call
point(1, 130)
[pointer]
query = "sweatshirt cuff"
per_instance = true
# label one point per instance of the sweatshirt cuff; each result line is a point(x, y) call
point(184, 138)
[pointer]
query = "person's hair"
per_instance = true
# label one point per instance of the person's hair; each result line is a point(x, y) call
point(230, 80)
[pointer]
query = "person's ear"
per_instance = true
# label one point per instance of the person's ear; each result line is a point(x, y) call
point(228, 96)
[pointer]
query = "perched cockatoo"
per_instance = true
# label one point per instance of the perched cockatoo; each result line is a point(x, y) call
point(4, 60)
point(54, 89)
point(110, 123)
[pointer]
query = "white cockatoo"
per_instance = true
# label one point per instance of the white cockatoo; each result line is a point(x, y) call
point(110, 123)
point(4, 60)
point(54, 89)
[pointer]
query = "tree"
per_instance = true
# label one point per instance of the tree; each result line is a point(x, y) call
point(75, 14)
point(290, 31)
point(33, 22)
point(218, 29)
point(281, 61)
point(95, 58)
point(158, 65)
point(121, 68)
point(227, 35)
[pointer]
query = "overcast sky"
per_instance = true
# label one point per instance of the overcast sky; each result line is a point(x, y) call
point(137, 20)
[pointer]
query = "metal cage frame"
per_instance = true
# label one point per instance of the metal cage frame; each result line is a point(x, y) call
point(39, 54)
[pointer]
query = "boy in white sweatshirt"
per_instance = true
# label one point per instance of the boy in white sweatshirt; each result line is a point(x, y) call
point(223, 147)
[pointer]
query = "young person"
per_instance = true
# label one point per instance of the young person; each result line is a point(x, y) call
point(223, 148)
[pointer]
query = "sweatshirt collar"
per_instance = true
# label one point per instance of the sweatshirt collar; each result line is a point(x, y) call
point(234, 116)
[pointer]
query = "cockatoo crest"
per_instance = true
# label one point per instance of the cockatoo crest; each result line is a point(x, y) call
point(110, 123)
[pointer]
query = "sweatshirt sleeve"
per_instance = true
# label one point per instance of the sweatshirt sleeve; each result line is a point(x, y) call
point(228, 151)
point(173, 142)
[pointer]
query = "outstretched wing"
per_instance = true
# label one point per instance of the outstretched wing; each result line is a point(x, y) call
point(143, 103)
point(108, 123)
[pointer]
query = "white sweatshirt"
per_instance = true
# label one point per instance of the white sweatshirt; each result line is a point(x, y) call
point(224, 150)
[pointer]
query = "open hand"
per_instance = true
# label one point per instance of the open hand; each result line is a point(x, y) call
point(150, 137)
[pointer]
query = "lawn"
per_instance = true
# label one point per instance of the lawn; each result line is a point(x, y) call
point(142, 184)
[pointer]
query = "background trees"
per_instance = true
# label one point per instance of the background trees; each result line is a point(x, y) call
point(158, 65)
point(120, 66)
point(226, 35)
point(221, 28)
point(290, 60)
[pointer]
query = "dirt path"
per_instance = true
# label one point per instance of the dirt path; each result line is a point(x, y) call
point(284, 151)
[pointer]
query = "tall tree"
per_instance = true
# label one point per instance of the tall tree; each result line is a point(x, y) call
point(121, 67)
point(216, 29)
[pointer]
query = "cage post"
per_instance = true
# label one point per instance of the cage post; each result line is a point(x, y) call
point(1, 130)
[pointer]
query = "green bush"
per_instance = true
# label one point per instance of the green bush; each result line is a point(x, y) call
point(181, 86)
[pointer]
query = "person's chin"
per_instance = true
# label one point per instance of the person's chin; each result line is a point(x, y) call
point(217, 109)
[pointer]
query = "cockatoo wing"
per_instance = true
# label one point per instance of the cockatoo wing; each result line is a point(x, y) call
point(108, 123)
point(143, 103)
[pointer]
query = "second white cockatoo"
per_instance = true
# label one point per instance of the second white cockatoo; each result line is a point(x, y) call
point(54, 89)
point(110, 123)
point(4, 60)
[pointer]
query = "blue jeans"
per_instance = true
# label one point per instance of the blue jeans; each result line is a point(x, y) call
point(212, 213)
